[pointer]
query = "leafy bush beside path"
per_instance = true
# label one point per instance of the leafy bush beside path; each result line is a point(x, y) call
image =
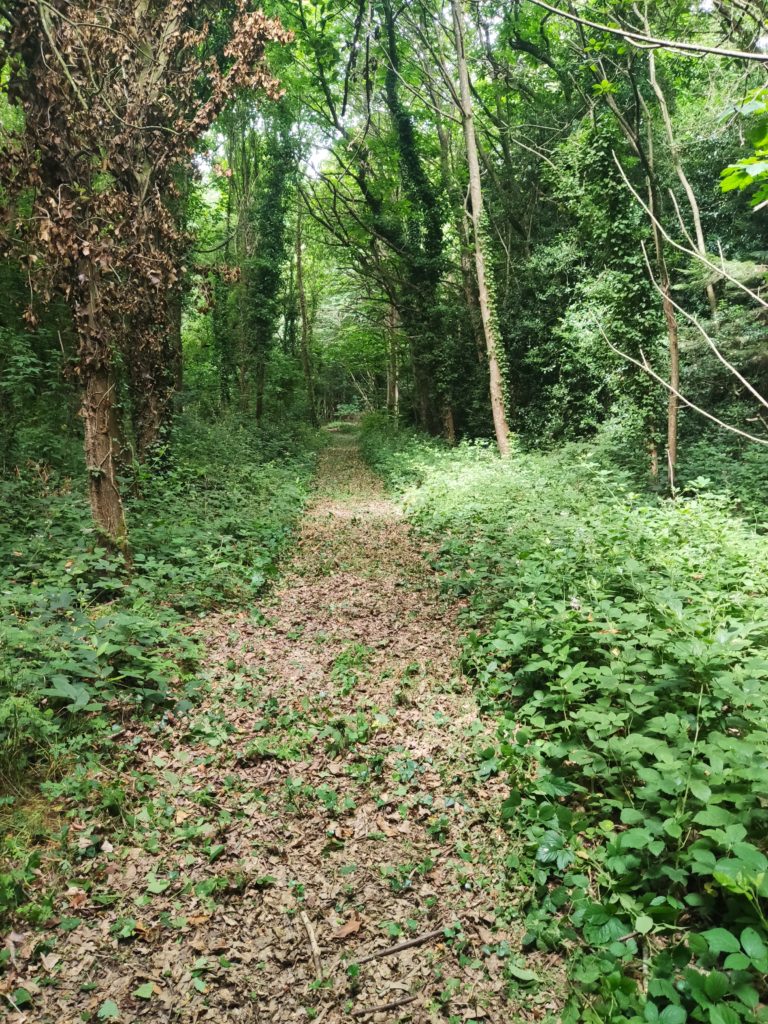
point(622, 641)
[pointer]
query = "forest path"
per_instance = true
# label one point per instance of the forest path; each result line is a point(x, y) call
point(322, 804)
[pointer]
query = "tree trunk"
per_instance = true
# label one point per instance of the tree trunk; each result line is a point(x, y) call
point(449, 425)
point(306, 354)
point(665, 285)
point(261, 375)
point(496, 382)
point(393, 382)
point(98, 412)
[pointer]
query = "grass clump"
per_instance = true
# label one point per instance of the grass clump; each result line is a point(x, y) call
point(620, 640)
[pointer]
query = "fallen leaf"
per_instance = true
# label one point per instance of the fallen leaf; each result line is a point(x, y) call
point(352, 925)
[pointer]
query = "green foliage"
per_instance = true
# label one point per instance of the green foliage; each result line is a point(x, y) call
point(751, 172)
point(81, 632)
point(620, 642)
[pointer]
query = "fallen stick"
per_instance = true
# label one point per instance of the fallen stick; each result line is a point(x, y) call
point(399, 946)
point(313, 944)
point(384, 1006)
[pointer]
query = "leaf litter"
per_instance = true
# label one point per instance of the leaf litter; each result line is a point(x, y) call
point(313, 841)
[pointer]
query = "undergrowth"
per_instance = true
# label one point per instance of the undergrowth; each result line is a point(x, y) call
point(85, 641)
point(620, 641)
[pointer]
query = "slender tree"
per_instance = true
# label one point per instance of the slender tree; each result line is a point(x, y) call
point(496, 380)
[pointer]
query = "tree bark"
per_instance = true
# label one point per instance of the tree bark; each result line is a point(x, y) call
point(496, 382)
point(261, 377)
point(98, 412)
point(393, 382)
point(670, 317)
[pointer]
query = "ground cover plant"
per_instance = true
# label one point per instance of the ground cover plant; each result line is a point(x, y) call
point(620, 640)
point(87, 642)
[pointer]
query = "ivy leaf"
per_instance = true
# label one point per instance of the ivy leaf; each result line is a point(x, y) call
point(109, 1010)
point(157, 885)
point(144, 991)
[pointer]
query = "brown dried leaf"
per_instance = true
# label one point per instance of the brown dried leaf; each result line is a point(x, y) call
point(354, 924)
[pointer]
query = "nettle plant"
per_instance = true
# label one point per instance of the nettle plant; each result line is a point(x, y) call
point(623, 643)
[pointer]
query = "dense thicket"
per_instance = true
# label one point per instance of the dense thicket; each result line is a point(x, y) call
point(543, 225)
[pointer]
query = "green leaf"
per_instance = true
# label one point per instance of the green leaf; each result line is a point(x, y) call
point(651, 1013)
point(752, 943)
point(109, 1010)
point(21, 997)
point(720, 940)
point(700, 790)
point(157, 885)
point(716, 984)
point(723, 1014)
point(643, 924)
point(736, 962)
point(144, 991)
point(714, 816)
point(522, 973)
point(673, 1015)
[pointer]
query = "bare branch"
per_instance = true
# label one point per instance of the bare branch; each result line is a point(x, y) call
point(644, 366)
point(646, 41)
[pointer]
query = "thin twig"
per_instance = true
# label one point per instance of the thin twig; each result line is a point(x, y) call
point(645, 367)
point(312, 944)
point(384, 1006)
point(646, 41)
point(692, 319)
point(399, 946)
point(682, 248)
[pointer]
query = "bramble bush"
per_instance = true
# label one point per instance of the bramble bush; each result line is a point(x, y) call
point(620, 639)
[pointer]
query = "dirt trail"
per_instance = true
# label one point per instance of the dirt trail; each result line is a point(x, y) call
point(321, 805)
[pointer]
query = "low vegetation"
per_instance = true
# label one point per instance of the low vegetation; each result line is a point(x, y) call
point(620, 640)
point(87, 642)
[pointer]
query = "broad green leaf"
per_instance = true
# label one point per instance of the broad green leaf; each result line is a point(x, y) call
point(721, 941)
point(752, 944)
point(643, 924)
point(673, 1015)
point(716, 984)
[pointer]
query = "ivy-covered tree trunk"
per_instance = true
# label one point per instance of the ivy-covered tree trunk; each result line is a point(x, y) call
point(422, 252)
point(393, 367)
point(101, 448)
point(496, 380)
point(306, 352)
point(100, 421)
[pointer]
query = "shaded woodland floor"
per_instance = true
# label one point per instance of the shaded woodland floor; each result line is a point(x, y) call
point(320, 806)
